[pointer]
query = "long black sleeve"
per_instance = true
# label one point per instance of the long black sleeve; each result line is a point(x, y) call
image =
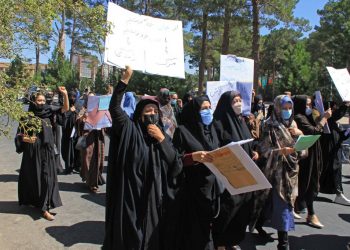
point(171, 156)
point(119, 117)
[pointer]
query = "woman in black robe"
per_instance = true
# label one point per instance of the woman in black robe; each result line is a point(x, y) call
point(37, 182)
point(141, 175)
point(331, 177)
point(230, 226)
point(70, 155)
point(199, 196)
point(311, 166)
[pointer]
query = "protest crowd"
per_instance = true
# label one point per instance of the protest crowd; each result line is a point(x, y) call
point(160, 192)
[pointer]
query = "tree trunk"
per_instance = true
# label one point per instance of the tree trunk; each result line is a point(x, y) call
point(62, 36)
point(203, 52)
point(37, 58)
point(256, 42)
point(72, 48)
point(225, 36)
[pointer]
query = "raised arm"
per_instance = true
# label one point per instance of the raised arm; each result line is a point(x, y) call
point(63, 91)
point(118, 115)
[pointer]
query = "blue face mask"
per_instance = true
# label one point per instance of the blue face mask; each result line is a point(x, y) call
point(286, 114)
point(173, 102)
point(207, 116)
point(308, 111)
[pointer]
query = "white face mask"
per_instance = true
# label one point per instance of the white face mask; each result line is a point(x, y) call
point(237, 108)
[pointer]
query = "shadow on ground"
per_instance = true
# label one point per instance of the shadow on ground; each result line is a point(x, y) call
point(91, 232)
point(78, 187)
point(319, 242)
point(345, 217)
point(323, 199)
point(99, 198)
point(8, 178)
point(12, 207)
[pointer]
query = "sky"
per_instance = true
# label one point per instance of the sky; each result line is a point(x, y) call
point(305, 8)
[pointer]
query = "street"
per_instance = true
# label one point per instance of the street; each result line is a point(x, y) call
point(79, 223)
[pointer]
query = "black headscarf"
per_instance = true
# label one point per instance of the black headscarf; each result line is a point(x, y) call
point(300, 104)
point(185, 98)
point(192, 121)
point(229, 126)
point(256, 106)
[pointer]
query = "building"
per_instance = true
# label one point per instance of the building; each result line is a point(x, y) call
point(29, 69)
point(86, 66)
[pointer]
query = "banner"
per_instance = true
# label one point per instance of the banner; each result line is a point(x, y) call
point(147, 44)
point(341, 80)
point(216, 89)
point(236, 170)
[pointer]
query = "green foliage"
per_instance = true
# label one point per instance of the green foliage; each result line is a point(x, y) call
point(15, 72)
point(151, 84)
point(61, 72)
point(12, 111)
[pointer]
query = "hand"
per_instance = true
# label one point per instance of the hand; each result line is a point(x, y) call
point(72, 109)
point(126, 75)
point(295, 131)
point(202, 156)
point(255, 156)
point(328, 113)
point(62, 90)
point(155, 132)
point(287, 151)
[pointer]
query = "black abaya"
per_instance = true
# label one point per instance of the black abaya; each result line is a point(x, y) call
point(235, 213)
point(197, 203)
point(331, 177)
point(310, 167)
point(141, 181)
point(37, 183)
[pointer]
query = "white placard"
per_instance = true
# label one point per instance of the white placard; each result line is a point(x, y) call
point(151, 45)
point(341, 79)
point(216, 89)
point(234, 68)
point(236, 170)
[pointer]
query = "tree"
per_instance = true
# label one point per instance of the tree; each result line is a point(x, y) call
point(16, 72)
point(296, 73)
point(34, 25)
point(270, 13)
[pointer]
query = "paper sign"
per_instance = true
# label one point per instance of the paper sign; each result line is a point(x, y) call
point(341, 80)
point(216, 89)
point(104, 102)
point(239, 71)
point(236, 170)
point(234, 68)
point(305, 142)
point(151, 45)
point(96, 118)
point(320, 108)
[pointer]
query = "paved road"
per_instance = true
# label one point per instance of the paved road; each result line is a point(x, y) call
point(79, 222)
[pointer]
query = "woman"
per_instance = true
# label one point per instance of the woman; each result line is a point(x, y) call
point(70, 155)
point(92, 156)
point(141, 176)
point(230, 226)
point(331, 177)
point(37, 183)
point(199, 198)
point(276, 149)
point(311, 166)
